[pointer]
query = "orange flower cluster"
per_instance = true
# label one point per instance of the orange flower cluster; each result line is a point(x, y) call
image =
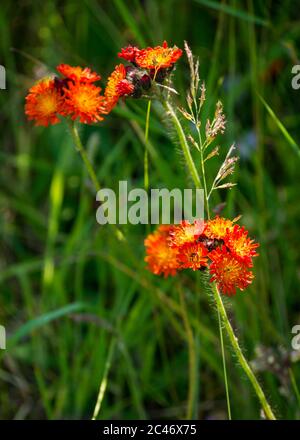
point(73, 95)
point(159, 57)
point(151, 64)
point(217, 245)
point(117, 86)
point(158, 61)
point(147, 65)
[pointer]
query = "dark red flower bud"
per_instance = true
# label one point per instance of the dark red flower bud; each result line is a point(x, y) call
point(145, 81)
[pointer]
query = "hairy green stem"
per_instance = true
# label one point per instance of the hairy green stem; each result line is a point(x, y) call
point(240, 356)
point(219, 303)
point(197, 182)
point(79, 147)
point(84, 156)
point(184, 145)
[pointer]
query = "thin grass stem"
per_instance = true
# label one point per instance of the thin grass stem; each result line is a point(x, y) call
point(192, 358)
point(89, 167)
point(294, 384)
point(224, 366)
point(103, 383)
point(146, 158)
point(203, 175)
point(219, 318)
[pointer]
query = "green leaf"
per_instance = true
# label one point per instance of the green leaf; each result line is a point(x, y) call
point(42, 320)
point(238, 13)
point(281, 127)
point(130, 20)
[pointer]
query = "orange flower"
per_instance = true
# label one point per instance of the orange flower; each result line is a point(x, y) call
point(192, 256)
point(161, 258)
point(226, 252)
point(43, 103)
point(185, 233)
point(117, 86)
point(129, 53)
point(78, 73)
point(240, 245)
point(228, 272)
point(217, 227)
point(83, 101)
point(159, 57)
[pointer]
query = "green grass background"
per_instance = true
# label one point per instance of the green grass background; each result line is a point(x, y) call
point(68, 287)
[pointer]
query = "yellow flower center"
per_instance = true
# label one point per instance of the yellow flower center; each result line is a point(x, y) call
point(217, 228)
point(47, 104)
point(86, 100)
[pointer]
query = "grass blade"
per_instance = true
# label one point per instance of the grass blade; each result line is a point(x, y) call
point(42, 320)
point(129, 19)
point(238, 13)
point(281, 127)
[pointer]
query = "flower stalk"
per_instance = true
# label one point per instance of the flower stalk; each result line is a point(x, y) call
point(184, 145)
point(147, 126)
point(212, 129)
point(89, 167)
point(146, 159)
point(84, 156)
point(224, 365)
point(192, 357)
